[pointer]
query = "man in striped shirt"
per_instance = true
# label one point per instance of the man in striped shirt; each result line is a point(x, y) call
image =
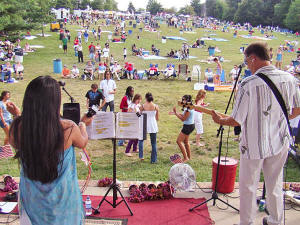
point(265, 137)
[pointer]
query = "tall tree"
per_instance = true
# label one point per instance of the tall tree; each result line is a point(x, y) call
point(110, 5)
point(186, 10)
point(13, 16)
point(293, 16)
point(232, 6)
point(280, 11)
point(249, 11)
point(97, 4)
point(84, 4)
point(197, 7)
point(268, 11)
point(210, 7)
point(63, 4)
point(131, 8)
point(154, 7)
point(39, 13)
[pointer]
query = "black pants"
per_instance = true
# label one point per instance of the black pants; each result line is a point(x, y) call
point(80, 56)
point(111, 106)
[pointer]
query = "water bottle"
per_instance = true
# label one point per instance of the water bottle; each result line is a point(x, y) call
point(88, 206)
point(261, 205)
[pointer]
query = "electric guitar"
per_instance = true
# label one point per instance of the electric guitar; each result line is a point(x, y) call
point(189, 105)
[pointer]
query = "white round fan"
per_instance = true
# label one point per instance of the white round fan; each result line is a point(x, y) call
point(182, 177)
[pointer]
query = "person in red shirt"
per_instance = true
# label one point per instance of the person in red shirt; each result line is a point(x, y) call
point(152, 71)
point(76, 41)
point(129, 70)
point(126, 100)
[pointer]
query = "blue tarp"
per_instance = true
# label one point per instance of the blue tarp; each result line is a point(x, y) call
point(176, 38)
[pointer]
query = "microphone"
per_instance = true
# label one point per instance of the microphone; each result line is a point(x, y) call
point(61, 83)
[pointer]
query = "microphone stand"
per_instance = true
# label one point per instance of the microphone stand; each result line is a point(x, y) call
point(71, 98)
point(215, 196)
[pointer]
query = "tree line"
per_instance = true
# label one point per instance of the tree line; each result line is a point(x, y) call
point(283, 13)
point(17, 16)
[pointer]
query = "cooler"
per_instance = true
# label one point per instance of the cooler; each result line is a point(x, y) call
point(211, 51)
point(57, 66)
point(227, 174)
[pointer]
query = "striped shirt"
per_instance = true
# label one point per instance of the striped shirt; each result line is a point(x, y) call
point(264, 128)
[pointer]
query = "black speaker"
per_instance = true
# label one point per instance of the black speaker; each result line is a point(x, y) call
point(71, 111)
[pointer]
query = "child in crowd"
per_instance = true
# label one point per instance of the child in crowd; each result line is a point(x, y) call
point(134, 106)
point(198, 116)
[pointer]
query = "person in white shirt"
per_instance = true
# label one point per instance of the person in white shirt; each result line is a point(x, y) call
point(209, 76)
point(74, 71)
point(265, 137)
point(169, 71)
point(109, 88)
point(105, 52)
point(115, 70)
point(19, 69)
point(234, 72)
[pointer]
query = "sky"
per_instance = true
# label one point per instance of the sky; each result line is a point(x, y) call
point(123, 4)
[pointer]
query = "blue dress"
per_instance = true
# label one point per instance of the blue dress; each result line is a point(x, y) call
point(55, 203)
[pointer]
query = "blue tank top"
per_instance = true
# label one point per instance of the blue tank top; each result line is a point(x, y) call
point(190, 119)
point(55, 203)
point(279, 57)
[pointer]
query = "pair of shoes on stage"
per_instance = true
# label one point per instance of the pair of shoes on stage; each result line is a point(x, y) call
point(176, 159)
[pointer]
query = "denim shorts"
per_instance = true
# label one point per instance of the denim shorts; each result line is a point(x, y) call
point(8, 122)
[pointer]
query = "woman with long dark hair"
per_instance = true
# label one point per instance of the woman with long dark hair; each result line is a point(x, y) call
point(152, 112)
point(125, 102)
point(44, 143)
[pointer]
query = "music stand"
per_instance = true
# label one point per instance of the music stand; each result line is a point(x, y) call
point(220, 133)
point(114, 187)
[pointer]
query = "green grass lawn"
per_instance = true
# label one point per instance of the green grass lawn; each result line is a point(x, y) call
point(165, 92)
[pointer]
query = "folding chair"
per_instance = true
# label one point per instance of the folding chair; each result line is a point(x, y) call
point(183, 70)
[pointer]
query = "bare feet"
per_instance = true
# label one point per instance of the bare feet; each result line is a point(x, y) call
point(185, 160)
point(128, 154)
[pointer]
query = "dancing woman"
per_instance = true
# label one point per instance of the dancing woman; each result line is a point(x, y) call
point(187, 117)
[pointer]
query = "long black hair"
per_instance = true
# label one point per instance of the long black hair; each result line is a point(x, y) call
point(128, 92)
point(38, 132)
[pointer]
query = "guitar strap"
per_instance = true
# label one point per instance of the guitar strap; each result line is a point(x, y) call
point(278, 96)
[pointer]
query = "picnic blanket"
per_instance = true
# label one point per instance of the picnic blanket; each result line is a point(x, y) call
point(30, 37)
point(176, 38)
point(148, 57)
point(255, 37)
point(213, 39)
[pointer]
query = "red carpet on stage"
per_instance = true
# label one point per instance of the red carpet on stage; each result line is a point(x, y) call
point(159, 212)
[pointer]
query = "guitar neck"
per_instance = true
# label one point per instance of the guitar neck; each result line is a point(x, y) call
point(207, 111)
point(201, 109)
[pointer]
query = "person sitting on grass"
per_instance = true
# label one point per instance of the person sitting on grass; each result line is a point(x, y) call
point(170, 71)
point(66, 73)
point(88, 71)
point(187, 117)
point(6, 71)
point(152, 71)
point(74, 71)
point(209, 76)
point(171, 54)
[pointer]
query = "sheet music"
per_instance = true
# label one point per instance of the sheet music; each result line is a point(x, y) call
point(128, 126)
point(102, 126)
point(7, 207)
